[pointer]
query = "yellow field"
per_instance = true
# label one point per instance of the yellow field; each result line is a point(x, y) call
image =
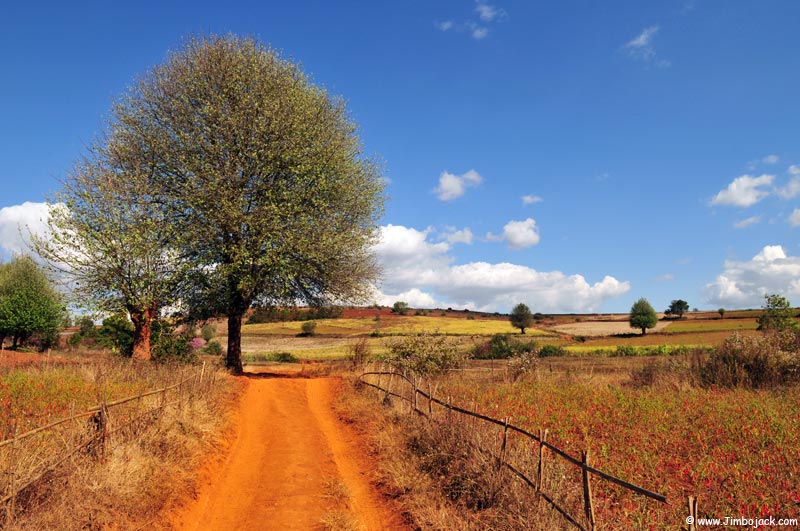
point(679, 327)
point(392, 326)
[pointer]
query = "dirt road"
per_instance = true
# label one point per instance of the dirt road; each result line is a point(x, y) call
point(293, 465)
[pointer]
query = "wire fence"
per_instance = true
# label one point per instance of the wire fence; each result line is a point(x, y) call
point(30, 458)
point(392, 383)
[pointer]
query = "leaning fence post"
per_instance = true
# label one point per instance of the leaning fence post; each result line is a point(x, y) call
point(588, 503)
point(692, 519)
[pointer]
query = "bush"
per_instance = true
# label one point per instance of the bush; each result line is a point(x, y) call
point(308, 328)
point(358, 353)
point(213, 348)
point(400, 307)
point(208, 332)
point(502, 346)
point(548, 351)
point(522, 365)
point(754, 362)
point(283, 357)
point(626, 350)
point(168, 347)
point(117, 334)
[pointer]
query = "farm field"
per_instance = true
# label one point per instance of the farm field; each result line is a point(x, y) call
point(738, 450)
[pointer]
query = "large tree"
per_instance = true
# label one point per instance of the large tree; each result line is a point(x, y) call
point(263, 175)
point(29, 303)
point(642, 315)
point(112, 239)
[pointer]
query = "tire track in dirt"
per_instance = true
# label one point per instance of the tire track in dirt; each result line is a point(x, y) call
point(290, 448)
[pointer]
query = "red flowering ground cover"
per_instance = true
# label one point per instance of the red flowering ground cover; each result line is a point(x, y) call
point(737, 450)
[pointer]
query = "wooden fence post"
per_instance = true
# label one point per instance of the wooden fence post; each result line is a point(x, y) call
point(540, 469)
point(502, 457)
point(692, 519)
point(588, 503)
point(12, 467)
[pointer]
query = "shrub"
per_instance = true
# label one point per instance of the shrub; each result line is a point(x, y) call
point(522, 365)
point(626, 350)
point(423, 355)
point(308, 328)
point(754, 362)
point(213, 348)
point(197, 343)
point(552, 350)
point(208, 332)
point(777, 314)
point(87, 328)
point(117, 334)
point(358, 353)
point(168, 347)
point(283, 357)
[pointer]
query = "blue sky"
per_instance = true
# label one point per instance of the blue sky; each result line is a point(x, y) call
point(656, 142)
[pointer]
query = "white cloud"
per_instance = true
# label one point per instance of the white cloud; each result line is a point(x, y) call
point(771, 159)
point(792, 188)
point(453, 236)
point(744, 191)
point(18, 222)
point(794, 218)
point(641, 46)
point(452, 186)
point(665, 278)
point(445, 26)
point(744, 284)
point(521, 234)
point(418, 270)
point(487, 12)
point(478, 32)
point(752, 220)
point(531, 199)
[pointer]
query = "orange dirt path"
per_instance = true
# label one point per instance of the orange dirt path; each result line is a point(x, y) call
point(288, 466)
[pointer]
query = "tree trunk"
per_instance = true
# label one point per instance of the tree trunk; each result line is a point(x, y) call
point(644, 331)
point(233, 360)
point(142, 328)
point(522, 330)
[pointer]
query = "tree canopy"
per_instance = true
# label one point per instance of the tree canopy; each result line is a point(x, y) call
point(29, 303)
point(261, 176)
point(678, 307)
point(777, 315)
point(642, 315)
point(521, 317)
point(114, 239)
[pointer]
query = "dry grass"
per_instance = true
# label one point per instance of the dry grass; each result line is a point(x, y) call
point(602, 328)
point(145, 469)
point(445, 475)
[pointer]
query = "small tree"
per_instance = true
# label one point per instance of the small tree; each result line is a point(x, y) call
point(521, 317)
point(777, 314)
point(424, 355)
point(721, 313)
point(308, 328)
point(400, 308)
point(29, 304)
point(643, 315)
point(678, 307)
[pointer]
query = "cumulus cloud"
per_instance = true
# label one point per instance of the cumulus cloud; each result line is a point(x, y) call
point(771, 159)
point(18, 222)
point(416, 268)
point(744, 284)
point(452, 186)
point(752, 220)
point(531, 199)
point(744, 191)
point(521, 234)
point(453, 236)
point(794, 218)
